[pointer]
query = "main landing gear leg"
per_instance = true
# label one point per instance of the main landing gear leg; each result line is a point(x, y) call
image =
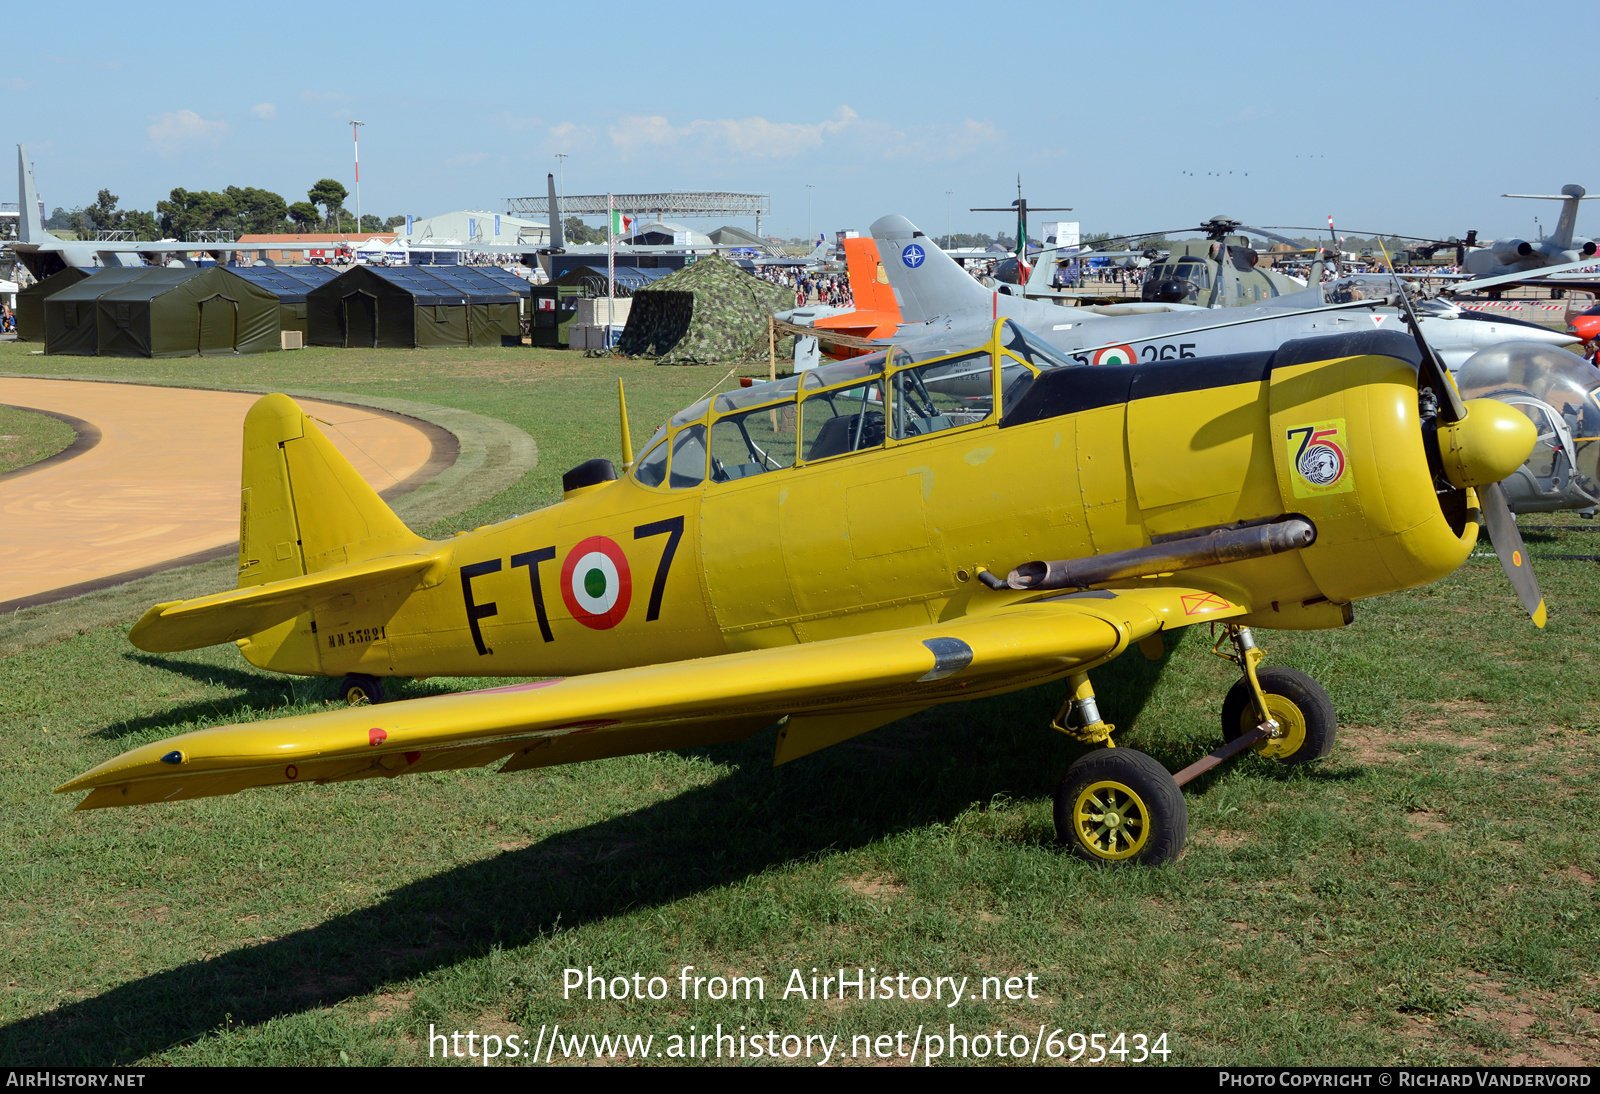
point(1114, 804)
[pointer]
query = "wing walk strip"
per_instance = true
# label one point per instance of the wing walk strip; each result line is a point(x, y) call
point(724, 697)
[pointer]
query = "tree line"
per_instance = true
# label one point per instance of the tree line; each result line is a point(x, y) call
point(239, 210)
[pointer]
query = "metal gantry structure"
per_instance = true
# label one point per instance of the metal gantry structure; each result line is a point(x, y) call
point(673, 203)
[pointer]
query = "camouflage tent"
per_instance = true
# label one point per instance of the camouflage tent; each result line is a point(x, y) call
point(708, 313)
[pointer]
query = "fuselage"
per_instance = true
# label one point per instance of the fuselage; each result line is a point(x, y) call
point(859, 498)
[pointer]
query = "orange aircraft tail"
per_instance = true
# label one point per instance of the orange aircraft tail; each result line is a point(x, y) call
point(876, 315)
point(869, 285)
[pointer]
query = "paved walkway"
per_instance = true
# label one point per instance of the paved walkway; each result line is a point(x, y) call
point(161, 484)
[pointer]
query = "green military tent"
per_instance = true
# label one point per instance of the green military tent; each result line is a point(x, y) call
point(388, 307)
point(30, 301)
point(708, 313)
point(494, 311)
point(206, 311)
point(289, 284)
point(70, 323)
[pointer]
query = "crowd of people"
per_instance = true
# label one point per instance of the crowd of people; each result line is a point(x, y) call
point(810, 287)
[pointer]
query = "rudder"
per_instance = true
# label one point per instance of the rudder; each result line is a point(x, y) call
point(303, 509)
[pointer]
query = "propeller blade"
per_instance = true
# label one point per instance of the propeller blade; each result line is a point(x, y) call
point(1433, 372)
point(1512, 551)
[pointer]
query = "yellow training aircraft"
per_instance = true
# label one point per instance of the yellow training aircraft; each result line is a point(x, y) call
point(825, 550)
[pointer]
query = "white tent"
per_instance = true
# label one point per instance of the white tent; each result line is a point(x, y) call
point(373, 250)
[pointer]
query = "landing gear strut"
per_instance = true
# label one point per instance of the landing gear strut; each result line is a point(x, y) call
point(1117, 805)
point(1303, 722)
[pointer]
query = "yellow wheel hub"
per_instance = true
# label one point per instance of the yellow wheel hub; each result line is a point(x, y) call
point(1291, 724)
point(357, 696)
point(1110, 820)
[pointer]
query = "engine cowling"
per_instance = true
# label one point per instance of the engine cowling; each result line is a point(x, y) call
point(1510, 250)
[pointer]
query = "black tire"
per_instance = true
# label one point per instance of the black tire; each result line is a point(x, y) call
point(358, 688)
point(1297, 701)
point(1128, 785)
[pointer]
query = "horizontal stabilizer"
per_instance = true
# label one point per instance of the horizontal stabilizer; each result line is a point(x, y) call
point(228, 617)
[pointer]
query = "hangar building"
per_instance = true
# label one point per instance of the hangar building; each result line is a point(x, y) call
point(473, 226)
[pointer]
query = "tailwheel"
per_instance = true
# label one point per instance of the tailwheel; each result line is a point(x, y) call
point(1116, 805)
point(1304, 713)
point(359, 688)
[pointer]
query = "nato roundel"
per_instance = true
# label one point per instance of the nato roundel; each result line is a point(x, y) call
point(1116, 355)
point(596, 584)
point(913, 255)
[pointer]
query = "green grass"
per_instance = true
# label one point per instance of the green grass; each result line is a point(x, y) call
point(26, 437)
point(1424, 895)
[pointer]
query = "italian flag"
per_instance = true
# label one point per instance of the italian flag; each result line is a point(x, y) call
point(1023, 269)
point(620, 225)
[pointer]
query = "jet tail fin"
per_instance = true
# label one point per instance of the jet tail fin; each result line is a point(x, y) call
point(926, 282)
point(1571, 195)
point(558, 241)
point(30, 218)
point(869, 284)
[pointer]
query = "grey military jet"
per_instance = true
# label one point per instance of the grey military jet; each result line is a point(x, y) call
point(1562, 247)
point(935, 294)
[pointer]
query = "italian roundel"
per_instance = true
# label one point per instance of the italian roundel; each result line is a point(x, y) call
point(1116, 355)
point(596, 584)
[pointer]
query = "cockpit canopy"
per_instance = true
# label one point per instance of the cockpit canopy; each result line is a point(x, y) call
point(949, 381)
point(1346, 290)
point(1560, 393)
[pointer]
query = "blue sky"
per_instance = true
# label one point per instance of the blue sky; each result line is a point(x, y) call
point(1401, 116)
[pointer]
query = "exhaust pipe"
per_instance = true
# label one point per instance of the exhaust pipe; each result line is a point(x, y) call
point(1187, 553)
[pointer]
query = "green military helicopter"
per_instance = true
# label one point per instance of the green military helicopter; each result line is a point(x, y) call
point(1220, 271)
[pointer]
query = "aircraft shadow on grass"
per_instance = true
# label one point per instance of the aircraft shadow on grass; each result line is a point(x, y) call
point(923, 770)
point(256, 694)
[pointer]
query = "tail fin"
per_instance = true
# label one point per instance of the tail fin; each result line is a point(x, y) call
point(869, 284)
point(312, 534)
point(30, 220)
point(558, 241)
point(303, 508)
point(1571, 195)
point(927, 283)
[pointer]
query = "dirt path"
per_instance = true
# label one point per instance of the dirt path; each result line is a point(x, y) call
point(160, 483)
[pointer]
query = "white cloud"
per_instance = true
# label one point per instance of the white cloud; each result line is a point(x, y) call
point(13, 83)
point(740, 137)
point(516, 123)
point(83, 62)
point(172, 131)
point(762, 138)
point(265, 111)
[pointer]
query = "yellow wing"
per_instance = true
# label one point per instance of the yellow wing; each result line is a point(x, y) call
point(830, 690)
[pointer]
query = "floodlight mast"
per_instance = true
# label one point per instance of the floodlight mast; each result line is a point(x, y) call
point(356, 142)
